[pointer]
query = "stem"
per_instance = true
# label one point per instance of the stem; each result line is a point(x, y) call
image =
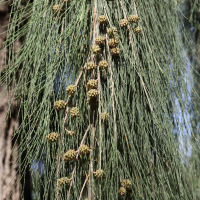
point(112, 93)
point(91, 179)
point(73, 172)
point(113, 82)
point(81, 193)
point(100, 132)
point(131, 40)
point(145, 89)
point(60, 138)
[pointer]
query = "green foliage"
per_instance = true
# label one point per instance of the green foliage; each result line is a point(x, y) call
point(141, 90)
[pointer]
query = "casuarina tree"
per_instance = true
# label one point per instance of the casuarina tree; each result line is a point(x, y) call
point(105, 96)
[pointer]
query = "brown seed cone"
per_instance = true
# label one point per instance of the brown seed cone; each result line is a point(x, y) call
point(91, 66)
point(55, 8)
point(127, 184)
point(111, 31)
point(71, 89)
point(70, 155)
point(63, 181)
point(74, 112)
point(133, 18)
point(59, 105)
point(93, 93)
point(92, 84)
point(137, 30)
point(96, 49)
point(52, 137)
point(103, 19)
point(99, 40)
point(115, 51)
point(123, 22)
point(122, 191)
point(113, 42)
point(99, 174)
point(84, 149)
point(103, 64)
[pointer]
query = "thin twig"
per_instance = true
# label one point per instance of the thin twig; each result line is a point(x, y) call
point(112, 92)
point(143, 84)
point(92, 111)
point(131, 40)
point(73, 172)
point(136, 71)
point(60, 138)
point(83, 187)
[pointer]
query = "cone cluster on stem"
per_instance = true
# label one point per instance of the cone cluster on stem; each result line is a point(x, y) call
point(92, 94)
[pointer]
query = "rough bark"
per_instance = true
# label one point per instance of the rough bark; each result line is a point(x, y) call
point(9, 183)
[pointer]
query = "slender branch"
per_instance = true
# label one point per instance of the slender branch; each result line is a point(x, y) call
point(131, 40)
point(73, 172)
point(92, 110)
point(76, 84)
point(81, 193)
point(112, 86)
point(144, 86)
point(112, 92)
point(60, 138)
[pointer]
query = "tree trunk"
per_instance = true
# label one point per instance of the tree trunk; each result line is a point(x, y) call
point(9, 179)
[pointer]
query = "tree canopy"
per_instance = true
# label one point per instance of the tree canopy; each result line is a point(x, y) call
point(106, 94)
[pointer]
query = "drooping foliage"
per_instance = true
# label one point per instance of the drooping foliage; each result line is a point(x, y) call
point(104, 98)
point(192, 24)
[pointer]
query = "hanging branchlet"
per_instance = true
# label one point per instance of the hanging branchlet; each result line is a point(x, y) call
point(130, 90)
point(52, 137)
point(105, 116)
